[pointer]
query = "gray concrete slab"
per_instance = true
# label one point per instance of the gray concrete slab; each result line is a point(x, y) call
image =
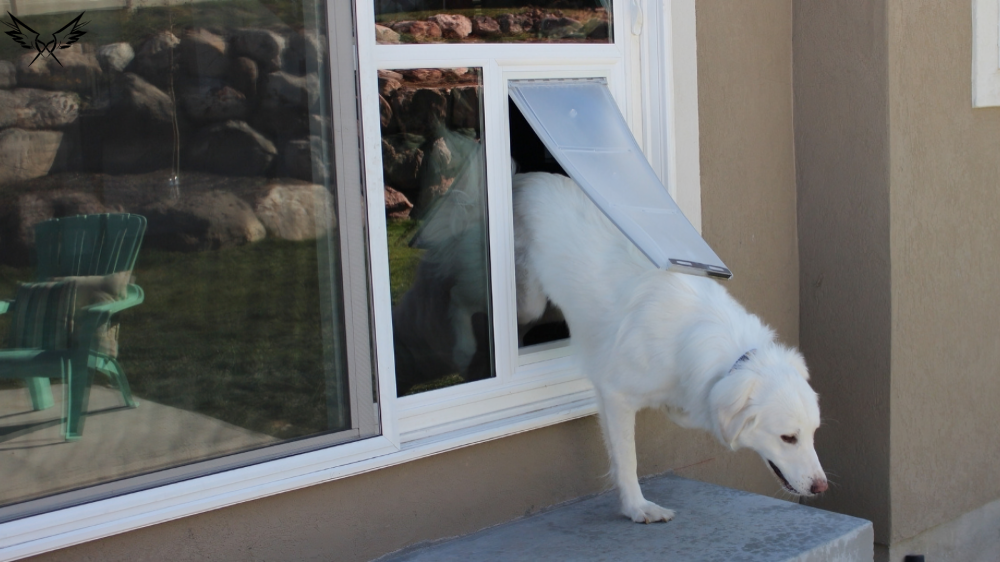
point(712, 524)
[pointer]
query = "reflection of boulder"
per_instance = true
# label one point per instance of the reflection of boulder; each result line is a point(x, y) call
point(19, 217)
point(203, 54)
point(135, 153)
point(285, 102)
point(305, 53)
point(76, 70)
point(485, 26)
point(231, 147)
point(243, 75)
point(203, 221)
point(402, 160)
point(208, 103)
point(559, 27)
point(388, 82)
point(513, 24)
point(290, 211)
point(465, 104)
point(439, 170)
point(385, 36)
point(156, 59)
point(137, 133)
point(303, 159)
point(265, 47)
point(453, 26)
point(599, 31)
point(283, 90)
point(422, 74)
point(384, 114)
point(28, 108)
point(29, 154)
point(419, 110)
point(449, 156)
point(8, 74)
point(115, 57)
point(418, 29)
point(397, 206)
point(136, 104)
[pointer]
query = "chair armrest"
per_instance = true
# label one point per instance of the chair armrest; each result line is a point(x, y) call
point(134, 295)
point(5, 305)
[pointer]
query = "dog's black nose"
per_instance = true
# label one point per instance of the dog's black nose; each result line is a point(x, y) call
point(819, 486)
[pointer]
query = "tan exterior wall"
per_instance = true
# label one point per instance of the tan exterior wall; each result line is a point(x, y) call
point(945, 202)
point(842, 162)
point(748, 190)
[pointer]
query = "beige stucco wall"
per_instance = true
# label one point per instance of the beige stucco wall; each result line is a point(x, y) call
point(748, 187)
point(842, 163)
point(945, 201)
point(899, 230)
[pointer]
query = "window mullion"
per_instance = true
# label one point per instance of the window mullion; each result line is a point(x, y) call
point(378, 254)
point(500, 221)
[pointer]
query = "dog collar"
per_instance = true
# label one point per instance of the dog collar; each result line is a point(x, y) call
point(742, 358)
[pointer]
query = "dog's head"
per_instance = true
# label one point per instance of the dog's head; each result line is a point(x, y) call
point(766, 404)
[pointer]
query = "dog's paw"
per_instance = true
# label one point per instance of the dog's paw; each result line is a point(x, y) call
point(647, 512)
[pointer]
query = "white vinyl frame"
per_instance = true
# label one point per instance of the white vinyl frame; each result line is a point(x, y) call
point(653, 76)
point(985, 53)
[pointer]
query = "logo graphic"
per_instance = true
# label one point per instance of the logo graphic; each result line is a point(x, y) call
point(62, 39)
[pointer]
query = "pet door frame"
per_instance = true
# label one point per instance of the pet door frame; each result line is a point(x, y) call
point(646, 79)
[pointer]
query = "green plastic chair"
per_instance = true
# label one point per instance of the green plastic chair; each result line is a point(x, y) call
point(86, 245)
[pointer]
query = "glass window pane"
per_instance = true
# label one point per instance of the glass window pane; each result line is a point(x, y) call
point(435, 174)
point(173, 272)
point(493, 21)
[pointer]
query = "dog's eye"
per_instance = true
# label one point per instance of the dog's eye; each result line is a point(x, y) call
point(790, 439)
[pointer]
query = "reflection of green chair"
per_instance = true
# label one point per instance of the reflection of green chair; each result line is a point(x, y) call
point(86, 258)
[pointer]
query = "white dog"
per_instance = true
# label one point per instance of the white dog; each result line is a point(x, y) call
point(651, 338)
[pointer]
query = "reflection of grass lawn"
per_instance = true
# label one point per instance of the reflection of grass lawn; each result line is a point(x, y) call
point(403, 259)
point(233, 334)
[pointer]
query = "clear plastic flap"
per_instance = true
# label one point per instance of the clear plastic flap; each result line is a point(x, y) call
point(580, 124)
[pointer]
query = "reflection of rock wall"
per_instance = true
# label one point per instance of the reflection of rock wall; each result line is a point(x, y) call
point(136, 108)
point(105, 128)
point(575, 23)
point(431, 121)
point(212, 211)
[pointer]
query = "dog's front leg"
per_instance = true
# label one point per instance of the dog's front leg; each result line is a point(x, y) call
point(618, 424)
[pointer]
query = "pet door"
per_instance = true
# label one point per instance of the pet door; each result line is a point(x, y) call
point(580, 125)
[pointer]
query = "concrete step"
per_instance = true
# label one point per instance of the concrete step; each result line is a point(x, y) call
point(712, 524)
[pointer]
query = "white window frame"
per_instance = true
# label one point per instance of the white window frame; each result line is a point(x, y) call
point(653, 77)
point(985, 53)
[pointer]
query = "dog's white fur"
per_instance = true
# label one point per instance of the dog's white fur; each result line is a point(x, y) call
point(651, 338)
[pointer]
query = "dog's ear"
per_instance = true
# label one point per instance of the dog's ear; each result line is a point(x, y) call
point(731, 400)
point(799, 363)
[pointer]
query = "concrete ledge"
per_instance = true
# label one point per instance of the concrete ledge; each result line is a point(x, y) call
point(712, 524)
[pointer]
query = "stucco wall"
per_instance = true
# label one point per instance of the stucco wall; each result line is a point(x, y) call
point(945, 202)
point(842, 163)
point(748, 190)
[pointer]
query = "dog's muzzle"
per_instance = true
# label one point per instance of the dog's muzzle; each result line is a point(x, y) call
point(781, 477)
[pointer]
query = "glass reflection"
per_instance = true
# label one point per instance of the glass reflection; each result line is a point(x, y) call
point(434, 169)
point(168, 241)
point(493, 21)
